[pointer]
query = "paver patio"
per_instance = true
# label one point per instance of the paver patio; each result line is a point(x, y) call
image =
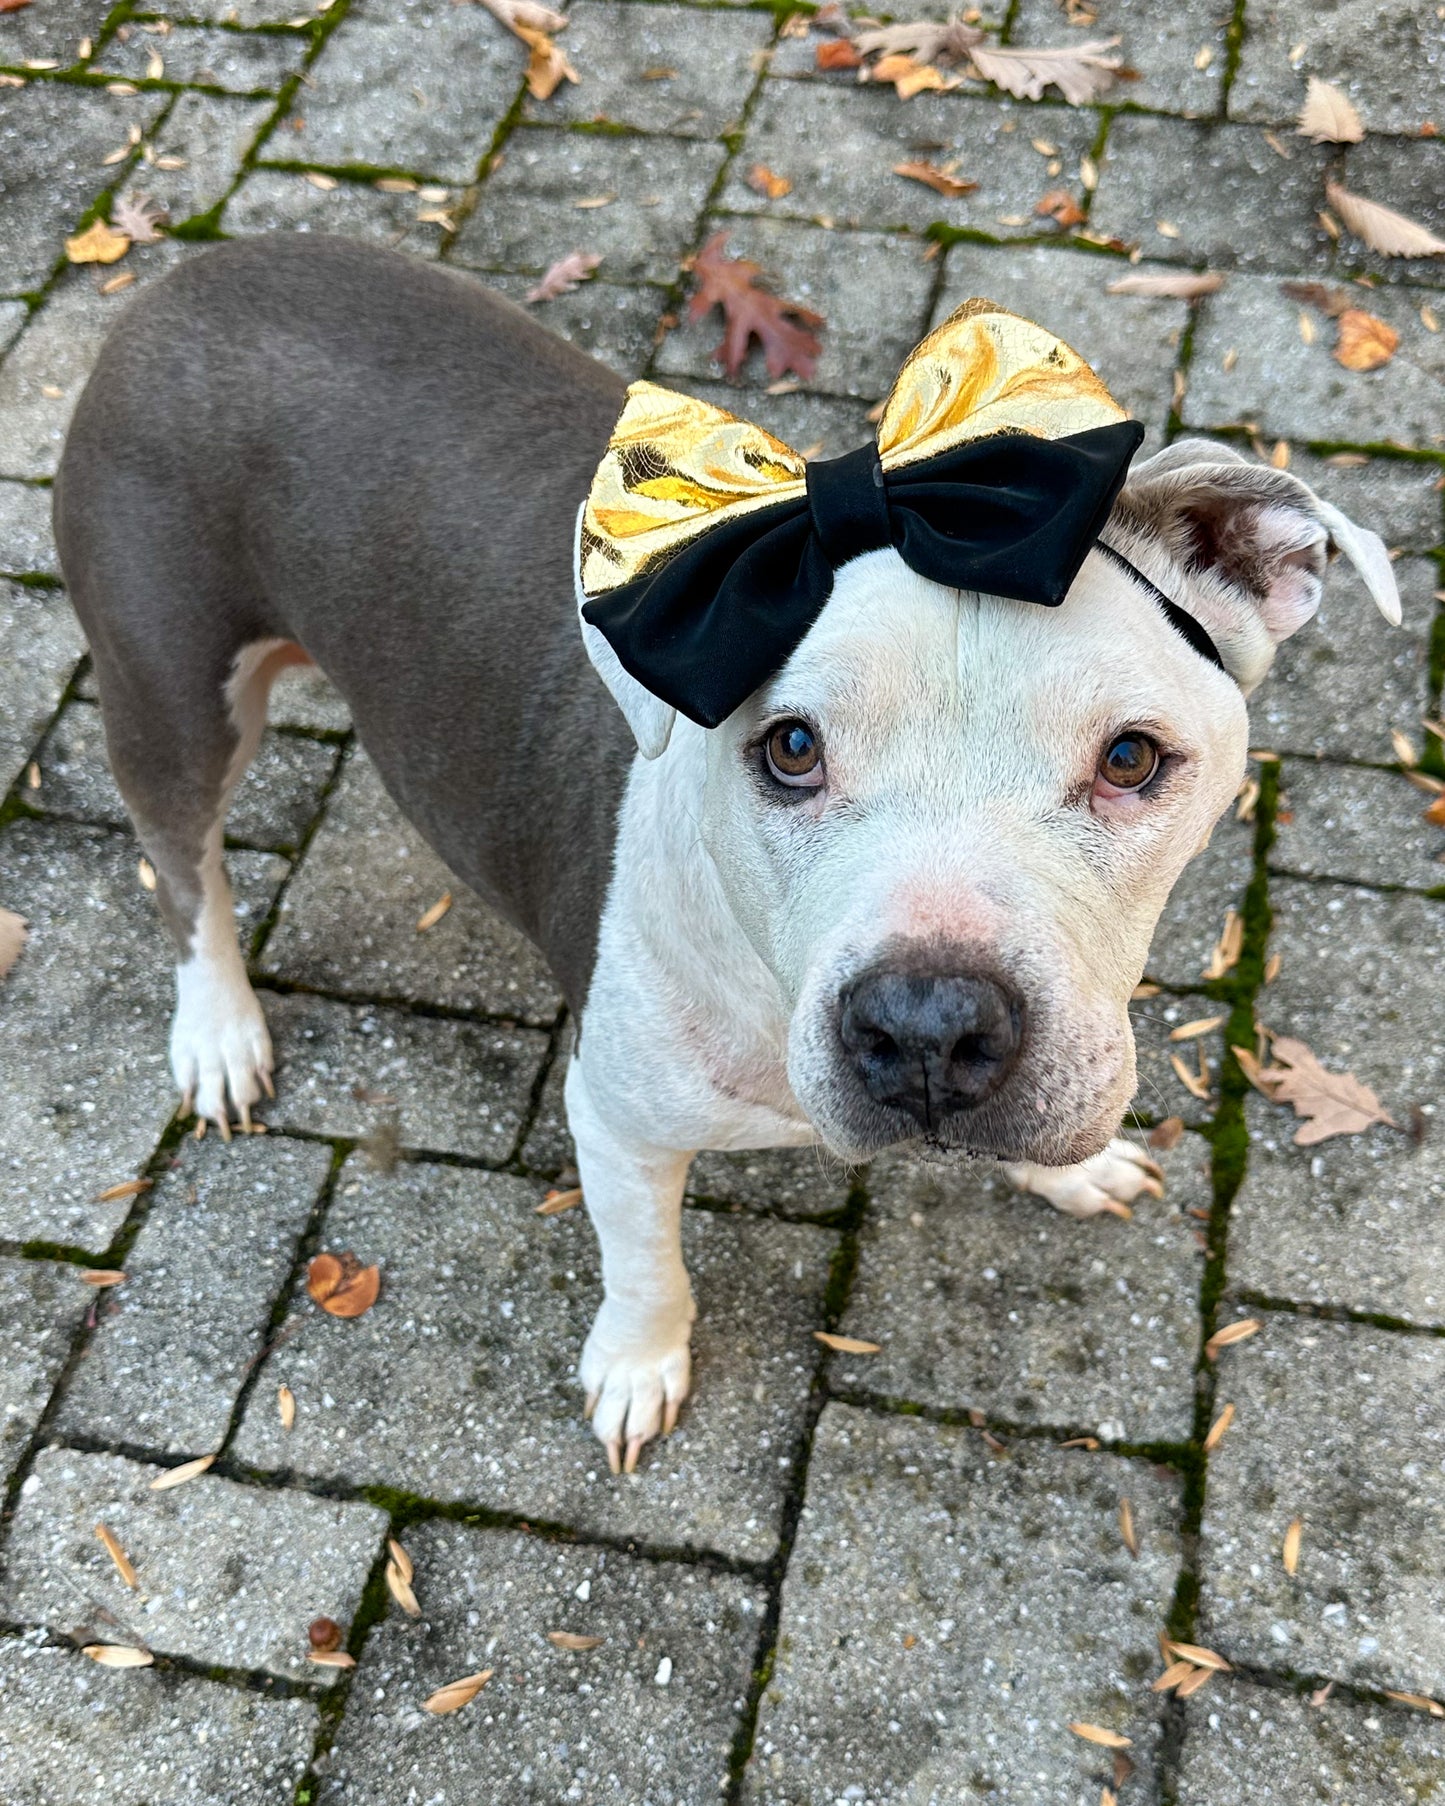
point(897, 1577)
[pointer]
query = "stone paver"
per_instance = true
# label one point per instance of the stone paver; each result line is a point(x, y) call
point(177, 1341)
point(274, 802)
point(27, 546)
point(272, 200)
point(1364, 826)
point(984, 1299)
point(1164, 39)
point(947, 1613)
point(42, 1303)
point(1339, 1425)
point(242, 62)
point(617, 323)
point(210, 136)
point(1398, 499)
point(349, 920)
point(226, 1574)
point(401, 1080)
point(1388, 62)
point(1211, 884)
point(461, 1383)
point(71, 1732)
point(1245, 1742)
point(531, 219)
point(648, 1714)
point(821, 425)
point(1409, 172)
point(51, 33)
point(40, 644)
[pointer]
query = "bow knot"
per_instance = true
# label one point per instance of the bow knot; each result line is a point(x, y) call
point(848, 503)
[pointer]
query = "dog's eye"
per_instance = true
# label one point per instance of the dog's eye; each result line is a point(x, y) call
point(794, 756)
point(1129, 762)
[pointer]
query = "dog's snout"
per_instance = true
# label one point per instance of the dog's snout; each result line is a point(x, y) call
point(931, 1043)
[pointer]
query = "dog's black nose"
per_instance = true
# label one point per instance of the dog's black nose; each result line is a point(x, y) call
point(931, 1043)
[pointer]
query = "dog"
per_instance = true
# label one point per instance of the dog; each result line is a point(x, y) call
point(900, 895)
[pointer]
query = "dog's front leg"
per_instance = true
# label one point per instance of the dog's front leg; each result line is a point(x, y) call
point(636, 1365)
point(1109, 1182)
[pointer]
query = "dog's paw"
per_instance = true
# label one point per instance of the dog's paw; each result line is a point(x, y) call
point(636, 1371)
point(221, 1055)
point(1108, 1183)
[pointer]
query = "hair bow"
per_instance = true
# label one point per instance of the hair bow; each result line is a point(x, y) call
point(707, 547)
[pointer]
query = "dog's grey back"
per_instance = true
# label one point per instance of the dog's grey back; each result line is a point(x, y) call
point(320, 441)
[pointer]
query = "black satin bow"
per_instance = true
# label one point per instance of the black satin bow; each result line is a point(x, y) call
point(1012, 515)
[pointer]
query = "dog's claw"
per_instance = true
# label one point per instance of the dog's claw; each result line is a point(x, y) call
point(670, 1411)
point(634, 1449)
point(245, 1119)
point(614, 1455)
point(223, 1124)
point(589, 1407)
point(266, 1084)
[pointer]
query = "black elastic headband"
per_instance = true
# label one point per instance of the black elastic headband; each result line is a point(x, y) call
point(1179, 619)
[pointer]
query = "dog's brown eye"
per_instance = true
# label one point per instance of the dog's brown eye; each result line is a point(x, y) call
point(1129, 761)
point(794, 756)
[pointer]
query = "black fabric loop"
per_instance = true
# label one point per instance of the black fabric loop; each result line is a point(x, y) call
point(1011, 515)
point(849, 504)
point(1183, 623)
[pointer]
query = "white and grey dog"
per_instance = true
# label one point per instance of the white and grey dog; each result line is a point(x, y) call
point(901, 895)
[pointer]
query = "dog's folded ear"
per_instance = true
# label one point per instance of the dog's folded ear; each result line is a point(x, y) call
point(1251, 543)
point(649, 717)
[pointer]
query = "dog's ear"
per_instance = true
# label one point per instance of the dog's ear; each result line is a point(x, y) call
point(649, 717)
point(1252, 544)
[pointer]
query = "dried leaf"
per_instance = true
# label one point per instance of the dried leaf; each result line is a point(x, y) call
point(1189, 1031)
point(590, 201)
point(941, 181)
point(569, 1639)
point(1081, 1442)
point(13, 6)
point(456, 1694)
point(1191, 1081)
point(1365, 341)
point(1421, 1702)
point(784, 328)
point(341, 1285)
point(1060, 206)
point(547, 67)
point(1330, 1103)
point(102, 1277)
point(1173, 1674)
point(137, 215)
point(399, 1586)
point(1404, 747)
point(1293, 1537)
point(1381, 228)
point(13, 933)
point(925, 40)
point(117, 1655)
point(1199, 1657)
point(286, 1406)
point(177, 1476)
point(910, 77)
point(99, 243)
point(762, 180)
point(1094, 1733)
point(1191, 1683)
point(331, 1658)
point(1331, 301)
point(401, 1559)
point(846, 1344)
point(1240, 1331)
point(1081, 72)
point(1435, 814)
point(1143, 990)
point(1329, 115)
point(128, 1188)
point(1126, 1528)
point(1225, 956)
point(1166, 1134)
point(557, 1201)
point(146, 872)
point(837, 53)
point(430, 917)
point(1218, 1428)
point(525, 14)
point(560, 279)
point(118, 1556)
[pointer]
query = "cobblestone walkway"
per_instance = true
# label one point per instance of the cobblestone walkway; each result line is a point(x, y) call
point(888, 1578)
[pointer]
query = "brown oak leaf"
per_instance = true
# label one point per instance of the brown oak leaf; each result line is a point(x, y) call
point(767, 182)
point(1331, 1103)
point(563, 276)
point(341, 1285)
point(547, 67)
point(1061, 207)
point(942, 181)
point(137, 215)
point(1365, 341)
point(837, 53)
point(12, 6)
point(785, 329)
point(1330, 301)
point(910, 77)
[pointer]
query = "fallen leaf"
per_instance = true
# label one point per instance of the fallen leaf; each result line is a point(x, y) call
point(762, 180)
point(1381, 228)
point(146, 873)
point(13, 6)
point(286, 1406)
point(1199, 1657)
point(341, 1285)
point(456, 1694)
point(177, 1476)
point(1172, 1675)
point(1189, 1031)
point(1293, 1537)
point(1081, 1442)
point(128, 1188)
point(1061, 207)
point(525, 14)
point(659, 73)
point(1094, 1733)
point(99, 243)
point(324, 1635)
point(1365, 341)
point(569, 1639)
point(1191, 1081)
point(117, 1655)
point(1328, 115)
point(13, 934)
point(789, 343)
point(1225, 956)
point(1404, 747)
point(557, 1201)
point(399, 1586)
point(1435, 814)
point(1143, 990)
point(1239, 1331)
point(1166, 1134)
point(1322, 1694)
point(1218, 1429)
point(1081, 72)
point(837, 53)
point(1330, 1103)
point(118, 1555)
point(1126, 1528)
point(331, 1658)
point(547, 67)
point(137, 215)
point(941, 181)
point(1191, 1683)
point(910, 77)
point(924, 40)
point(429, 918)
point(101, 1277)
point(1331, 301)
point(846, 1344)
point(1421, 1702)
point(560, 279)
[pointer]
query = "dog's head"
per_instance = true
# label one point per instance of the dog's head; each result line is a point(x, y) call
point(949, 824)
